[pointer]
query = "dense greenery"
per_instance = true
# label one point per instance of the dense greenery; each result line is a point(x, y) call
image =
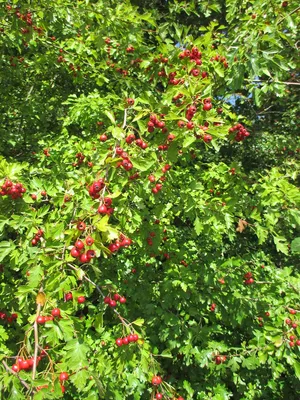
point(149, 203)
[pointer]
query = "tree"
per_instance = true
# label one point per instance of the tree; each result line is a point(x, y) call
point(149, 204)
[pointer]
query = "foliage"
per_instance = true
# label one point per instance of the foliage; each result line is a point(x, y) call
point(157, 144)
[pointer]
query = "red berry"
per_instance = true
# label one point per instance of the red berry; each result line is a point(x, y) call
point(293, 312)
point(40, 320)
point(84, 258)
point(288, 321)
point(122, 300)
point(81, 226)
point(158, 396)
point(135, 337)
point(112, 303)
point(89, 241)
point(68, 296)
point(55, 312)
point(207, 138)
point(117, 297)
point(15, 368)
point(298, 342)
point(103, 138)
point(81, 299)
point(156, 380)
point(207, 106)
point(125, 340)
point(79, 244)
point(63, 376)
point(119, 342)
point(75, 252)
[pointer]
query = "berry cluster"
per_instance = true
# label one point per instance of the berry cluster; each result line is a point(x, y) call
point(132, 338)
point(14, 190)
point(80, 157)
point(194, 55)
point(220, 359)
point(125, 163)
point(154, 122)
point(130, 138)
point(78, 250)
point(112, 301)
point(240, 132)
point(24, 364)
point(221, 59)
point(95, 188)
point(118, 244)
point(37, 237)
point(105, 207)
point(207, 104)
point(173, 80)
point(248, 278)
point(9, 319)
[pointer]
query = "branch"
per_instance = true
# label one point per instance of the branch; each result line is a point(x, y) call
point(8, 369)
point(40, 301)
point(124, 322)
point(125, 119)
point(291, 13)
point(280, 82)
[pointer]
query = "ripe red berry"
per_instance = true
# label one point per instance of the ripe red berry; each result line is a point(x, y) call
point(103, 138)
point(68, 296)
point(81, 299)
point(81, 226)
point(298, 342)
point(112, 303)
point(288, 321)
point(89, 241)
point(158, 396)
point(63, 376)
point(207, 106)
point(15, 368)
point(122, 300)
point(207, 138)
point(125, 340)
point(119, 342)
point(181, 124)
point(135, 337)
point(40, 320)
point(55, 312)
point(293, 312)
point(84, 258)
point(79, 245)
point(156, 380)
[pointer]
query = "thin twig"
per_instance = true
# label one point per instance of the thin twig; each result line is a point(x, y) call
point(16, 374)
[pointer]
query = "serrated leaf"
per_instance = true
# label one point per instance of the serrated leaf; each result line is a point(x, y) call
point(76, 354)
point(295, 245)
point(139, 322)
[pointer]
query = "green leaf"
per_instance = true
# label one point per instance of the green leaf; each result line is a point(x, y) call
point(281, 244)
point(139, 322)
point(76, 352)
point(295, 245)
point(198, 226)
point(110, 116)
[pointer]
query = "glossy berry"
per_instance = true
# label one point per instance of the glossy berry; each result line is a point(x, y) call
point(81, 299)
point(55, 312)
point(15, 368)
point(40, 320)
point(158, 396)
point(81, 226)
point(119, 342)
point(68, 296)
point(79, 244)
point(156, 380)
point(75, 252)
point(63, 376)
point(89, 241)
point(125, 340)
point(122, 300)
